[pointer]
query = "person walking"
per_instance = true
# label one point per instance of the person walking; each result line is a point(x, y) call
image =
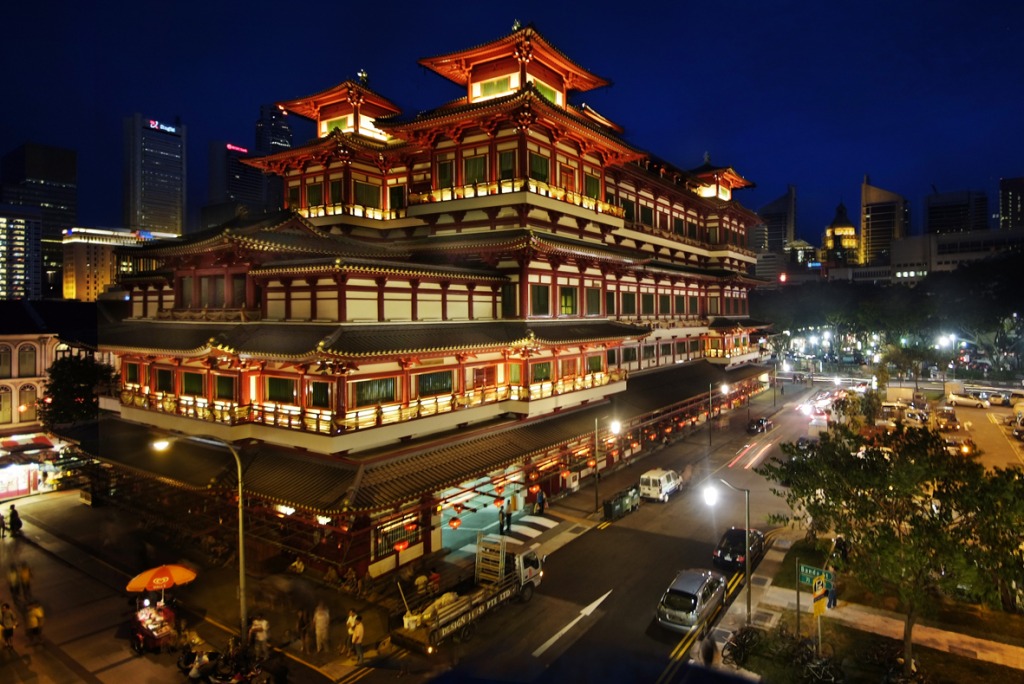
point(34, 617)
point(357, 639)
point(25, 579)
point(350, 627)
point(508, 517)
point(540, 502)
point(14, 581)
point(501, 521)
point(831, 596)
point(3, 526)
point(302, 630)
point(14, 522)
point(322, 627)
point(8, 622)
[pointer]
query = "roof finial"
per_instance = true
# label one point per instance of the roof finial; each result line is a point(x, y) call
point(363, 77)
point(707, 157)
point(516, 25)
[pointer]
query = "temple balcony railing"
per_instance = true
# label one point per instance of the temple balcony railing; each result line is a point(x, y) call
point(515, 185)
point(357, 210)
point(222, 314)
point(733, 355)
point(327, 422)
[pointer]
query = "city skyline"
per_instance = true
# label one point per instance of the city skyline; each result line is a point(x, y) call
point(787, 94)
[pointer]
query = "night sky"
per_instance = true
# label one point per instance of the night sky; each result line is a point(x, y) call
point(811, 93)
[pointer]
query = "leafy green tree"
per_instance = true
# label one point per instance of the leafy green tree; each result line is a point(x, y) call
point(70, 391)
point(898, 501)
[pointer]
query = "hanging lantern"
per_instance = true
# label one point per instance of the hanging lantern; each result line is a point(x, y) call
point(499, 502)
point(534, 489)
point(402, 545)
point(458, 507)
point(534, 475)
point(565, 473)
point(454, 523)
point(499, 489)
point(411, 526)
point(592, 462)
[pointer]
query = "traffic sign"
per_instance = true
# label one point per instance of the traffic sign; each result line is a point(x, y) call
point(809, 572)
point(820, 595)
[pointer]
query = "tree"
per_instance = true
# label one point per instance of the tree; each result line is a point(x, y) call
point(898, 500)
point(70, 391)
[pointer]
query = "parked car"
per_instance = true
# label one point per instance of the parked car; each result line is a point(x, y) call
point(805, 444)
point(966, 400)
point(693, 598)
point(729, 552)
point(946, 420)
point(960, 446)
point(760, 425)
point(995, 398)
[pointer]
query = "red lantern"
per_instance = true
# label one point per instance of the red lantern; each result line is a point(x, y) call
point(458, 507)
point(534, 475)
point(566, 473)
point(592, 462)
point(402, 545)
point(499, 502)
point(411, 526)
point(499, 489)
point(534, 489)
point(454, 523)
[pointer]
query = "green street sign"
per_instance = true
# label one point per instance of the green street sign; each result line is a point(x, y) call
point(809, 572)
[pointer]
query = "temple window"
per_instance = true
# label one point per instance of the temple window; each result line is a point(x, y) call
point(628, 209)
point(294, 195)
point(238, 290)
point(693, 308)
point(567, 178)
point(507, 165)
point(664, 305)
point(495, 87)
point(131, 373)
point(192, 384)
point(680, 305)
point(540, 300)
point(567, 301)
point(547, 91)
point(647, 304)
point(628, 304)
point(567, 368)
point(26, 361)
point(666, 350)
point(485, 377)
point(591, 186)
point(6, 405)
point(713, 305)
point(594, 364)
point(474, 169)
point(609, 303)
point(164, 380)
point(372, 392)
point(540, 372)
point(433, 384)
point(318, 395)
point(342, 123)
point(628, 354)
point(211, 292)
point(224, 388)
point(593, 295)
point(647, 215)
point(612, 356)
point(691, 230)
point(396, 197)
point(334, 191)
point(367, 195)
point(509, 300)
point(314, 194)
point(515, 373)
point(540, 167)
point(649, 352)
point(445, 174)
point(679, 226)
point(281, 390)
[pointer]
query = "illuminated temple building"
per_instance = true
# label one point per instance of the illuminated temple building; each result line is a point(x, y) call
point(450, 303)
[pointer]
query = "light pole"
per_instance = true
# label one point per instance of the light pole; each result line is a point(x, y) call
point(710, 497)
point(711, 406)
point(615, 426)
point(163, 445)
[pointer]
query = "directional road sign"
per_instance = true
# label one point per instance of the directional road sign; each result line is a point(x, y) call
point(809, 572)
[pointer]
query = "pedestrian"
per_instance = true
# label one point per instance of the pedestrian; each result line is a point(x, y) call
point(259, 632)
point(501, 521)
point(540, 502)
point(3, 526)
point(782, 389)
point(708, 649)
point(357, 639)
point(34, 617)
point(15, 522)
point(14, 581)
point(8, 621)
point(831, 596)
point(302, 630)
point(322, 627)
point(350, 627)
point(508, 517)
point(25, 578)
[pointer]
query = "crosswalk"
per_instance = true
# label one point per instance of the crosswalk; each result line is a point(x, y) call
point(524, 529)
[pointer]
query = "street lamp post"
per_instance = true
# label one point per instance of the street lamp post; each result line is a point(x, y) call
point(710, 497)
point(163, 445)
point(711, 406)
point(615, 427)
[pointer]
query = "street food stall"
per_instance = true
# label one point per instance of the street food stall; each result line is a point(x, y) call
point(155, 627)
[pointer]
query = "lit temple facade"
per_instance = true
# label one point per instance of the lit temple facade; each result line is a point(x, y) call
point(487, 265)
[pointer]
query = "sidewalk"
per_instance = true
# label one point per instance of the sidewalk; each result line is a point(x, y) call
point(768, 604)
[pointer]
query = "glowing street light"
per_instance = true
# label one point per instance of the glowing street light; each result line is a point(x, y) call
point(710, 498)
point(614, 427)
point(711, 406)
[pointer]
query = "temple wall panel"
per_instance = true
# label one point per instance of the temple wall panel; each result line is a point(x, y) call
point(362, 307)
point(398, 308)
point(327, 309)
point(430, 307)
point(458, 306)
point(137, 308)
point(482, 309)
point(275, 305)
point(301, 310)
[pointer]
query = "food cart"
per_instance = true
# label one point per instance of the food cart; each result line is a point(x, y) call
point(153, 628)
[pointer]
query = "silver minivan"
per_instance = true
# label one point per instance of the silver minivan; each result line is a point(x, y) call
point(693, 599)
point(659, 484)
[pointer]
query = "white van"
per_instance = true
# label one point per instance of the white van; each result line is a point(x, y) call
point(659, 484)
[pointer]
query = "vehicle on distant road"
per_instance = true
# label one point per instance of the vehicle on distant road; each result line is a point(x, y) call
point(693, 599)
point(760, 425)
point(955, 399)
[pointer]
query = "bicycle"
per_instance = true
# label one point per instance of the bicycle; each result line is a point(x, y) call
point(741, 644)
point(823, 670)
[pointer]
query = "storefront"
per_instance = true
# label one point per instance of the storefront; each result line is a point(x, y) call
point(36, 463)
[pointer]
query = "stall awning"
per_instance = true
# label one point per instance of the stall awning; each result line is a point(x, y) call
point(16, 444)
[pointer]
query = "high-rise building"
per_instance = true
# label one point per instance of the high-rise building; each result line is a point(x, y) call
point(779, 217)
point(46, 177)
point(234, 188)
point(1011, 203)
point(884, 217)
point(91, 263)
point(955, 212)
point(840, 244)
point(21, 227)
point(154, 175)
point(273, 135)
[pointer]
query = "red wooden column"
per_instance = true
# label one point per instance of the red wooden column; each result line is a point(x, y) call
point(444, 300)
point(381, 284)
point(339, 283)
point(414, 302)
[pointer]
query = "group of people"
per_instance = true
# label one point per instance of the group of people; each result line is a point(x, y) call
point(321, 630)
point(13, 523)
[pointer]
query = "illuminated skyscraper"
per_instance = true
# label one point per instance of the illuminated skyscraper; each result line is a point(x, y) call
point(779, 217)
point(154, 175)
point(20, 252)
point(1011, 203)
point(884, 217)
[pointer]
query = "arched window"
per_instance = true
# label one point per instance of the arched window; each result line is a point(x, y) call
point(62, 350)
point(5, 361)
point(27, 361)
point(27, 403)
point(6, 415)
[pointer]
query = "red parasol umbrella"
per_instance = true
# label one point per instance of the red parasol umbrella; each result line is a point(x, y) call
point(163, 577)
